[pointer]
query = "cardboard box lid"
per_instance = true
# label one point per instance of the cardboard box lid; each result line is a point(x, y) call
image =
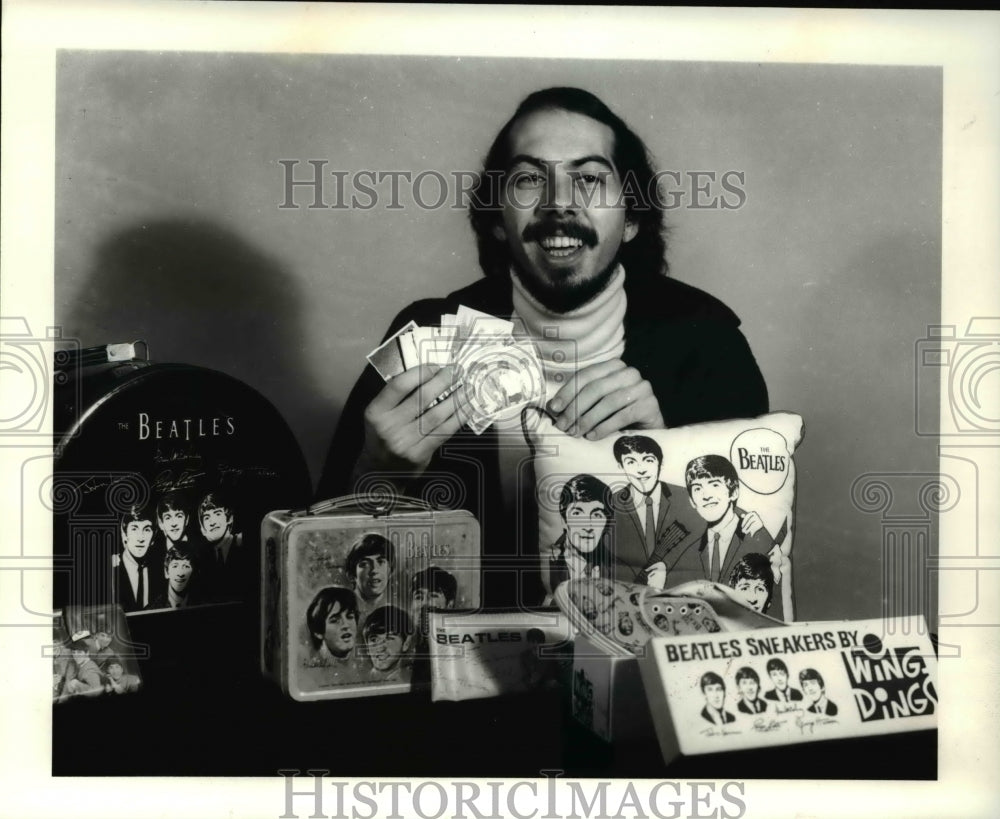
point(841, 679)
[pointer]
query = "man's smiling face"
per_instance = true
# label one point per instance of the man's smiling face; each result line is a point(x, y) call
point(563, 216)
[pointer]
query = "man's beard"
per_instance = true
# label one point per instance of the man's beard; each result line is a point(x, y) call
point(560, 296)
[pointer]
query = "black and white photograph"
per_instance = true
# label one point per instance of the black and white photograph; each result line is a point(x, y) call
point(93, 654)
point(323, 320)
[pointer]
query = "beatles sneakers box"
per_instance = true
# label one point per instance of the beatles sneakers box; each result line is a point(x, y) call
point(796, 683)
point(346, 589)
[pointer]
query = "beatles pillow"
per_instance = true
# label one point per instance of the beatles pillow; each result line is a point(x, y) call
point(711, 501)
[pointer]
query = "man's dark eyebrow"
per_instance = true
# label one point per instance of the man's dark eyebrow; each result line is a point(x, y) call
point(601, 160)
point(574, 163)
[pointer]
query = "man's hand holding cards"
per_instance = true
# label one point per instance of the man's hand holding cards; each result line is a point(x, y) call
point(493, 374)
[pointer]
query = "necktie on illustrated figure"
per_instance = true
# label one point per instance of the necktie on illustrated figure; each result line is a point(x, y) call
point(716, 568)
point(650, 527)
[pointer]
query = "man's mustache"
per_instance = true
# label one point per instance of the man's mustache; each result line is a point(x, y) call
point(536, 231)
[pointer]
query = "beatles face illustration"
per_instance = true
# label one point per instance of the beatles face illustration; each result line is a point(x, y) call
point(341, 631)
point(715, 695)
point(748, 688)
point(585, 522)
point(172, 523)
point(216, 523)
point(812, 689)
point(178, 574)
point(711, 498)
point(385, 650)
point(754, 591)
point(372, 576)
point(137, 536)
point(779, 678)
point(642, 470)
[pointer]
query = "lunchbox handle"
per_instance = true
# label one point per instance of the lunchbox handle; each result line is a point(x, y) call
point(369, 504)
point(104, 354)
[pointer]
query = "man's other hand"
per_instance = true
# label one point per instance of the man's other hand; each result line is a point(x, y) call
point(401, 432)
point(605, 398)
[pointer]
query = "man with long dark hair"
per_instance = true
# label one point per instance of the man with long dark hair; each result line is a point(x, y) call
point(569, 227)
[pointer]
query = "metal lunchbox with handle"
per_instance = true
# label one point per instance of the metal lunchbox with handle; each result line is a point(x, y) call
point(347, 585)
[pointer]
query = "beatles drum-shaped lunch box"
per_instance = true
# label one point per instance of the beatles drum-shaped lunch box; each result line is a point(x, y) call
point(162, 474)
point(348, 585)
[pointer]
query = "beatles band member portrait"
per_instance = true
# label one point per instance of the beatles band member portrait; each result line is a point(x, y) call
point(179, 569)
point(332, 619)
point(652, 517)
point(782, 691)
point(387, 635)
point(748, 683)
point(727, 532)
point(714, 689)
point(137, 568)
point(172, 519)
point(431, 587)
point(753, 580)
point(228, 569)
point(172, 559)
point(371, 565)
point(815, 692)
point(584, 548)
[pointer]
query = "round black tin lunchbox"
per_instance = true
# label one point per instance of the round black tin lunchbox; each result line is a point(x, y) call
point(162, 475)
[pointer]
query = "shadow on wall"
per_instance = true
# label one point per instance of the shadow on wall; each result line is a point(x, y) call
point(200, 294)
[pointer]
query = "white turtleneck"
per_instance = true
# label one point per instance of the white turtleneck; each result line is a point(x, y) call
point(565, 342)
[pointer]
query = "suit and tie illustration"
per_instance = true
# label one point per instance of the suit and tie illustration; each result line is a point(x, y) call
point(788, 694)
point(755, 706)
point(654, 521)
point(717, 563)
point(667, 527)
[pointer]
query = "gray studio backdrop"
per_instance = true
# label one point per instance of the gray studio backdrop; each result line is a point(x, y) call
point(169, 228)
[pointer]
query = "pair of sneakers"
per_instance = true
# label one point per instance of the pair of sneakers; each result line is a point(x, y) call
point(622, 617)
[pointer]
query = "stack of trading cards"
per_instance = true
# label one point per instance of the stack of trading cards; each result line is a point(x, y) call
point(495, 374)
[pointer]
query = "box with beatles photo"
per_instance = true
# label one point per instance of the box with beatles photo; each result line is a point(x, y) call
point(346, 589)
point(791, 684)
